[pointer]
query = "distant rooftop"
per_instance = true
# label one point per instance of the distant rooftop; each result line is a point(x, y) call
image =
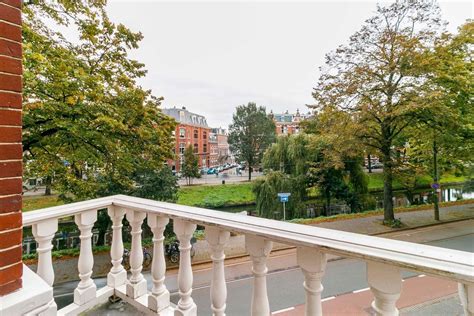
point(182, 115)
point(289, 117)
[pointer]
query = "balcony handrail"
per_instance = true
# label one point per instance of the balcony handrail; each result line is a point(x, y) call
point(447, 263)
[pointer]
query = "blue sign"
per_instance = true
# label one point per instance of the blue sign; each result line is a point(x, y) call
point(284, 197)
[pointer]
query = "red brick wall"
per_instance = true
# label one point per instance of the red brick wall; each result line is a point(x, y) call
point(189, 139)
point(11, 268)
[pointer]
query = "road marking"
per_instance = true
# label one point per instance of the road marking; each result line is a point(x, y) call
point(283, 310)
point(328, 298)
point(421, 275)
point(361, 290)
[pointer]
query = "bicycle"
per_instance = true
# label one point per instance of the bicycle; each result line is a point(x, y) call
point(147, 258)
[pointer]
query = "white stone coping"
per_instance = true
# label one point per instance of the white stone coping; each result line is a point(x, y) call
point(35, 294)
point(447, 263)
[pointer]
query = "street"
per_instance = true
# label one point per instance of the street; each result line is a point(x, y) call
point(285, 280)
point(229, 176)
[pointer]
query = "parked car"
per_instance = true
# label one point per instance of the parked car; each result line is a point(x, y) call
point(211, 171)
point(377, 165)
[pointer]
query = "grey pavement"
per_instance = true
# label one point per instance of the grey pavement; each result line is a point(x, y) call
point(449, 305)
point(373, 225)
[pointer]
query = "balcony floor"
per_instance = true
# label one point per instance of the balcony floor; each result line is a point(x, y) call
point(114, 309)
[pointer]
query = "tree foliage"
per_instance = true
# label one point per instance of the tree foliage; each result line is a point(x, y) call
point(266, 191)
point(296, 163)
point(190, 166)
point(88, 125)
point(378, 78)
point(250, 134)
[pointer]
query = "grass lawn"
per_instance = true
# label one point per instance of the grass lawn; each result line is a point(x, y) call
point(376, 181)
point(31, 203)
point(212, 196)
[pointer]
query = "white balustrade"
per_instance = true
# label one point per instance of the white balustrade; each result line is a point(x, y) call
point(86, 289)
point(44, 233)
point(184, 231)
point(259, 248)
point(466, 295)
point(313, 264)
point(159, 298)
point(386, 284)
point(217, 239)
point(136, 286)
point(384, 260)
point(117, 275)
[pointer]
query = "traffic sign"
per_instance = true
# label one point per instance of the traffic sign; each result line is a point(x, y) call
point(284, 197)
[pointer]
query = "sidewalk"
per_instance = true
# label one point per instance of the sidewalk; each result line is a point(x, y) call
point(415, 300)
point(373, 225)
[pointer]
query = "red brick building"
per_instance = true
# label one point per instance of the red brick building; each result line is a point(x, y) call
point(213, 150)
point(223, 150)
point(287, 123)
point(191, 130)
point(11, 267)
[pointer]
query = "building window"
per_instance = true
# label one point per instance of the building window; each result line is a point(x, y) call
point(196, 133)
point(204, 135)
point(204, 148)
point(182, 132)
point(196, 149)
point(181, 148)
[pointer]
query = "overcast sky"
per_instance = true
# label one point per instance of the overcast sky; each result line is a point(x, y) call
point(213, 56)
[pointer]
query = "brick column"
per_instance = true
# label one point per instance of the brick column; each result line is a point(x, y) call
point(11, 268)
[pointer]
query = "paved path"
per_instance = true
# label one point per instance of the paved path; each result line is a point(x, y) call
point(373, 225)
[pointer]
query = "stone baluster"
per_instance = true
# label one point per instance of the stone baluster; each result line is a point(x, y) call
point(184, 232)
point(117, 275)
point(217, 239)
point(466, 295)
point(159, 298)
point(136, 286)
point(259, 248)
point(313, 264)
point(386, 284)
point(86, 289)
point(44, 233)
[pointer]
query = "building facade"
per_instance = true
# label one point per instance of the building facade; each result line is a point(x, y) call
point(192, 129)
point(223, 148)
point(213, 150)
point(288, 123)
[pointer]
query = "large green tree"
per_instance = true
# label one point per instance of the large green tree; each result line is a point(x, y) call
point(88, 126)
point(377, 77)
point(444, 135)
point(250, 134)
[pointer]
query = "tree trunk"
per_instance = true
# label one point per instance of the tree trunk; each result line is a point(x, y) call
point(48, 181)
point(387, 184)
point(369, 163)
point(250, 173)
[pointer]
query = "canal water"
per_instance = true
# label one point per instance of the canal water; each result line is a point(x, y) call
point(421, 196)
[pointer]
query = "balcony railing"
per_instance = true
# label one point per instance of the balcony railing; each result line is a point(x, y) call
point(384, 259)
